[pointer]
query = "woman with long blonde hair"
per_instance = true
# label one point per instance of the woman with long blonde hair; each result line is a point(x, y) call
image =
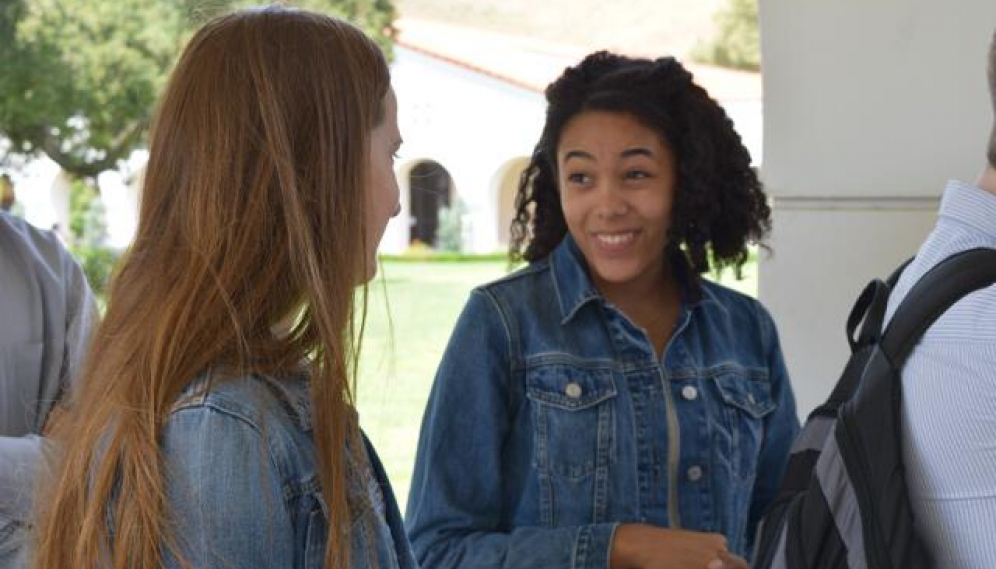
point(214, 425)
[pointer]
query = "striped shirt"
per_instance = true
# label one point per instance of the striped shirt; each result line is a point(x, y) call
point(949, 396)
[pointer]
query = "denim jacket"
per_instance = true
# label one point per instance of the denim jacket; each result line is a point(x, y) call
point(242, 486)
point(552, 420)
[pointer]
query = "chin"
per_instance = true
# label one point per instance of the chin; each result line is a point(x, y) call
point(616, 275)
point(371, 272)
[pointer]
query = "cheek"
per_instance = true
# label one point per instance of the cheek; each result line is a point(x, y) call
point(385, 194)
point(659, 206)
point(571, 207)
point(384, 186)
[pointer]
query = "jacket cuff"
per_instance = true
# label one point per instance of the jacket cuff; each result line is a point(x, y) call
point(592, 546)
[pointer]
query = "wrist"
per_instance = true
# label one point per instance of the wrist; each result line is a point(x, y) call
point(623, 553)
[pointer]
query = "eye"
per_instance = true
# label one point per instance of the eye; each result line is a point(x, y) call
point(637, 175)
point(578, 178)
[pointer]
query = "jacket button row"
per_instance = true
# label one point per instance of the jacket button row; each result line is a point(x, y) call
point(573, 390)
point(689, 392)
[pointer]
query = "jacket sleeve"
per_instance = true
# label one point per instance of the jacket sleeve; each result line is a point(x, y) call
point(82, 317)
point(457, 515)
point(224, 493)
point(780, 429)
point(66, 306)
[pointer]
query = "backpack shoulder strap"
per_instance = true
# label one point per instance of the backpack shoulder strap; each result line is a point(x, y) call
point(864, 330)
point(868, 311)
point(933, 294)
point(894, 277)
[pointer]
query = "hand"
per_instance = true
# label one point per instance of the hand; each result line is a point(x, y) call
point(729, 561)
point(640, 546)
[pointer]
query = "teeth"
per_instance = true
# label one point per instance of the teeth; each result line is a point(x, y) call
point(615, 238)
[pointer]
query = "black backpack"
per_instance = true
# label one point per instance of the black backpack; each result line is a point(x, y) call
point(844, 502)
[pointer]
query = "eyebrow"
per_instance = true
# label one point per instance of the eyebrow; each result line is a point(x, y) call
point(578, 154)
point(628, 153)
point(639, 151)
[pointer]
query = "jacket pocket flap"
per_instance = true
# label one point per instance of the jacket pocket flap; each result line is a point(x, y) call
point(570, 388)
point(749, 393)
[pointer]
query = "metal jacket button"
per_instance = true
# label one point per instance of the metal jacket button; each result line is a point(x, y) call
point(695, 473)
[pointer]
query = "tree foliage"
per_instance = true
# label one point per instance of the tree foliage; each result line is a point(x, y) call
point(80, 79)
point(738, 38)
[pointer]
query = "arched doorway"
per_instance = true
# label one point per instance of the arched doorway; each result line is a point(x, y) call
point(505, 185)
point(430, 188)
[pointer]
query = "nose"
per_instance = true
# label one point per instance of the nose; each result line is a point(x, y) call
point(611, 201)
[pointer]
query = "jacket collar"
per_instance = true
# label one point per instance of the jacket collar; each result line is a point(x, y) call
point(571, 282)
point(574, 288)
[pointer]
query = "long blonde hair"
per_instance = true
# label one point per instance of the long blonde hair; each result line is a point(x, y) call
point(252, 215)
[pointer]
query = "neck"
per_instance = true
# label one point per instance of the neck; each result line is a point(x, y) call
point(635, 294)
point(987, 180)
point(652, 304)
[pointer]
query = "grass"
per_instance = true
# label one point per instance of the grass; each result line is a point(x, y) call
point(401, 352)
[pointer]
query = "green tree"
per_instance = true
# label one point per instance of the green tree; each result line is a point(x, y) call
point(79, 79)
point(738, 38)
point(88, 231)
point(376, 17)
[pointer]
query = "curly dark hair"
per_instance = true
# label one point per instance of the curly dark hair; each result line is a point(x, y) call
point(719, 203)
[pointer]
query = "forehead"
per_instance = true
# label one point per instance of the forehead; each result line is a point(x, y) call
point(607, 130)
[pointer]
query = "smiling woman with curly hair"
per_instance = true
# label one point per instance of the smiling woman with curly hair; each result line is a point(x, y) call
point(606, 406)
point(719, 204)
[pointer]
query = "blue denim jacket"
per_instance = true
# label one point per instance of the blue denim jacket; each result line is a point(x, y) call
point(242, 485)
point(552, 420)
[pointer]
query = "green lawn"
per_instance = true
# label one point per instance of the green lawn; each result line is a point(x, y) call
point(400, 353)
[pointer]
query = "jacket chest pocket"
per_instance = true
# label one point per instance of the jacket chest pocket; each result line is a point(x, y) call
point(574, 420)
point(743, 403)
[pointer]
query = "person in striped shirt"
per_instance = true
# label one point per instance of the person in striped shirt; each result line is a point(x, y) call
point(949, 384)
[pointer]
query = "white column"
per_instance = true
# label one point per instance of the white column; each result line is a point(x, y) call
point(870, 107)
